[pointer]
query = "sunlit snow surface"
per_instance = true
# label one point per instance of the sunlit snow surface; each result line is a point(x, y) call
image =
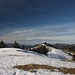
point(10, 57)
point(58, 54)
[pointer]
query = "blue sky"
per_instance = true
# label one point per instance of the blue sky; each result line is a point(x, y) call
point(36, 21)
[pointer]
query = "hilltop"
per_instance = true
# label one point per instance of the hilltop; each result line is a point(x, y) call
point(13, 57)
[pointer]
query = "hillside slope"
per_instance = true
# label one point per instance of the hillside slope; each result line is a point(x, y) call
point(59, 54)
point(10, 57)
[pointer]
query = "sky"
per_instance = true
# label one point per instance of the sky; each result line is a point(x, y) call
point(36, 21)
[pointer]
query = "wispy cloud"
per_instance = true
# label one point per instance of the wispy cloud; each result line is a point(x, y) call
point(47, 32)
point(18, 39)
point(22, 31)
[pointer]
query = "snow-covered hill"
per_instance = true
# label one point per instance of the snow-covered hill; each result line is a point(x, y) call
point(10, 57)
point(59, 54)
point(53, 52)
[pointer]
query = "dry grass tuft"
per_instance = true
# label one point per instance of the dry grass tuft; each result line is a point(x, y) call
point(68, 60)
point(31, 67)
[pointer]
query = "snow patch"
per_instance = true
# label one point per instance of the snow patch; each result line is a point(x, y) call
point(58, 54)
point(10, 57)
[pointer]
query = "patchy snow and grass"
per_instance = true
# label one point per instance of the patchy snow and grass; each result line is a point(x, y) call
point(34, 67)
point(10, 57)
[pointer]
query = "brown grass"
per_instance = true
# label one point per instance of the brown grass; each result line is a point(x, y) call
point(67, 70)
point(31, 68)
point(69, 60)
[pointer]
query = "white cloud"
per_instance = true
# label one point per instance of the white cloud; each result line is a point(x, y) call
point(22, 31)
point(17, 32)
point(17, 39)
point(65, 39)
point(56, 33)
